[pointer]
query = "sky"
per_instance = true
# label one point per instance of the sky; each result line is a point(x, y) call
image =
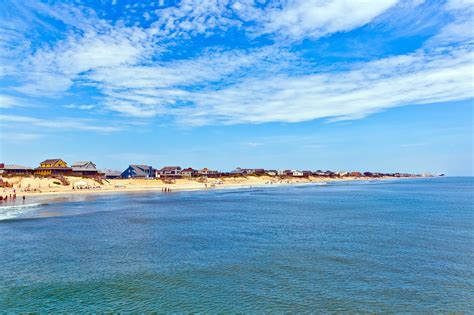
point(361, 85)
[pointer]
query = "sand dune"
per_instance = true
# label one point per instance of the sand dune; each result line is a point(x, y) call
point(37, 185)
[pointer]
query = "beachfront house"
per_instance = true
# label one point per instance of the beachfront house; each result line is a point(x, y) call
point(237, 172)
point(170, 171)
point(272, 173)
point(110, 174)
point(297, 174)
point(250, 171)
point(189, 172)
point(258, 171)
point(15, 170)
point(285, 173)
point(307, 173)
point(319, 173)
point(138, 171)
point(329, 174)
point(84, 168)
point(208, 173)
point(53, 167)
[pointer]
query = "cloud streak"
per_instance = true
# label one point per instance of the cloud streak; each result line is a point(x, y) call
point(64, 124)
point(129, 67)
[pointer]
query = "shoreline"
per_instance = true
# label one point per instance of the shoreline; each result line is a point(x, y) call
point(183, 185)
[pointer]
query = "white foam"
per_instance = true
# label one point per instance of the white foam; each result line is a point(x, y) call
point(13, 211)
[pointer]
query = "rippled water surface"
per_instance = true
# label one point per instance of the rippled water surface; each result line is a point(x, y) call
point(395, 246)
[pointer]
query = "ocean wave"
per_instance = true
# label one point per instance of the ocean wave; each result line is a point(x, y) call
point(14, 211)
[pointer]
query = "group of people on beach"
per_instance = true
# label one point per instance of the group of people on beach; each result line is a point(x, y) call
point(11, 197)
point(166, 189)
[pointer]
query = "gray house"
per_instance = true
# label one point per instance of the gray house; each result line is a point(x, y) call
point(170, 171)
point(16, 170)
point(84, 168)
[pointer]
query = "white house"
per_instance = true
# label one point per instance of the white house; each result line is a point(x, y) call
point(297, 174)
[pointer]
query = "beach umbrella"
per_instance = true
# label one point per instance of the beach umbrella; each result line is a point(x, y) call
point(80, 183)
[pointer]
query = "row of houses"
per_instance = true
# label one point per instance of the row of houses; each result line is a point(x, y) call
point(147, 171)
point(88, 168)
point(53, 167)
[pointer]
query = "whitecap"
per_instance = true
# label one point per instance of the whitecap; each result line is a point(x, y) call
point(14, 211)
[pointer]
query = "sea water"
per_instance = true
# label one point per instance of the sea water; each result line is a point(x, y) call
point(384, 246)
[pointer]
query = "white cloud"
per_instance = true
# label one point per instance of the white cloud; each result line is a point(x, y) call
point(193, 17)
point(367, 88)
point(65, 124)
point(15, 137)
point(237, 86)
point(82, 106)
point(52, 71)
point(259, 96)
point(7, 101)
point(460, 28)
point(299, 19)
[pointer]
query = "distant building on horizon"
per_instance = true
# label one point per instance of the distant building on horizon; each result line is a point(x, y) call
point(111, 174)
point(272, 172)
point(169, 171)
point(249, 171)
point(189, 172)
point(205, 172)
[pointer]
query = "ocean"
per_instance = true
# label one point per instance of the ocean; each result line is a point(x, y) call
point(348, 247)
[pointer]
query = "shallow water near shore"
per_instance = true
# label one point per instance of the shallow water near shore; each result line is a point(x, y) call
point(387, 246)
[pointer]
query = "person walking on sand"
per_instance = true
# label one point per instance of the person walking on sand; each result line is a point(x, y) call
point(24, 198)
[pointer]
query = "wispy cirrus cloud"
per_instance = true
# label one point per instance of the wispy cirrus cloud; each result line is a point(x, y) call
point(7, 101)
point(419, 78)
point(64, 123)
point(302, 19)
point(128, 63)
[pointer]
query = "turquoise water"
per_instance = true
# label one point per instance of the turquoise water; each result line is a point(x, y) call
point(395, 246)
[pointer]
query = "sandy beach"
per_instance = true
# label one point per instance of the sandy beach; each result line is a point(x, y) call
point(38, 186)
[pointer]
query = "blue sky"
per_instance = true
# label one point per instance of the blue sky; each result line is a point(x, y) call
point(316, 84)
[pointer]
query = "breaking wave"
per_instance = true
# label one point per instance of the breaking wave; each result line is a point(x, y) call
point(14, 211)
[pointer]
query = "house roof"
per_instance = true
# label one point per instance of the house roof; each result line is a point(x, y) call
point(189, 169)
point(50, 161)
point(83, 166)
point(62, 168)
point(82, 163)
point(140, 169)
point(16, 167)
point(112, 172)
point(143, 166)
point(170, 168)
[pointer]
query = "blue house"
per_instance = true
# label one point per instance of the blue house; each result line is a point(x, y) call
point(138, 171)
